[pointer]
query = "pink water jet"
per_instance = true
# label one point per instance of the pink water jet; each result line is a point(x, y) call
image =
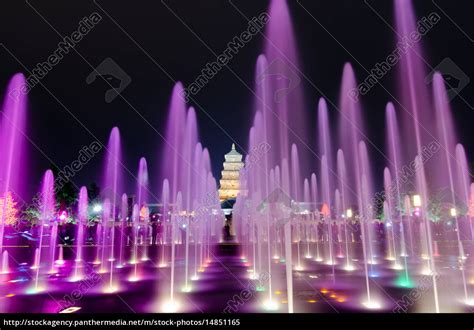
point(13, 174)
point(47, 215)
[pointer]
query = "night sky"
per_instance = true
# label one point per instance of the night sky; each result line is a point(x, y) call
point(169, 44)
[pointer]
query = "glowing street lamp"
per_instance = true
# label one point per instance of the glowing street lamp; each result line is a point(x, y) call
point(453, 212)
point(97, 208)
point(63, 215)
point(417, 205)
point(416, 201)
point(349, 213)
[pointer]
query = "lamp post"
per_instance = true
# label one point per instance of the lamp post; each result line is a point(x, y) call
point(97, 208)
point(417, 204)
point(453, 212)
point(349, 213)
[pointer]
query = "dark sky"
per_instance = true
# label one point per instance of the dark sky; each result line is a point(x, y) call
point(178, 51)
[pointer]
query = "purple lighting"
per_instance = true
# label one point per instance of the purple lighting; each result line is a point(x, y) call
point(322, 216)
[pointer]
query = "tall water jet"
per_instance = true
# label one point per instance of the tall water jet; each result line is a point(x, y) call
point(60, 260)
point(53, 243)
point(415, 102)
point(123, 225)
point(366, 209)
point(136, 227)
point(165, 199)
point(315, 212)
point(464, 182)
point(36, 259)
point(142, 194)
point(5, 267)
point(341, 171)
point(289, 263)
point(172, 305)
point(388, 209)
point(426, 228)
point(307, 201)
point(12, 144)
point(393, 145)
point(171, 154)
point(324, 138)
point(296, 194)
point(112, 192)
point(417, 121)
point(106, 211)
point(368, 202)
point(82, 222)
point(446, 131)
point(326, 208)
point(190, 141)
point(351, 131)
point(284, 75)
point(47, 213)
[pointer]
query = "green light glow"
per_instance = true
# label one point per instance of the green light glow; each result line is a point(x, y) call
point(404, 281)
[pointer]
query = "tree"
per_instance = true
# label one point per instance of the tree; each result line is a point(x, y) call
point(32, 212)
point(66, 192)
point(93, 191)
point(11, 212)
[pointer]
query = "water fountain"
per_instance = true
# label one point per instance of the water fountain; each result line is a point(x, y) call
point(83, 218)
point(47, 214)
point(315, 210)
point(12, 133)
point(5, 263)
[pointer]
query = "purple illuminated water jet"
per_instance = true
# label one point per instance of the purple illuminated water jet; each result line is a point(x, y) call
point(13, 173)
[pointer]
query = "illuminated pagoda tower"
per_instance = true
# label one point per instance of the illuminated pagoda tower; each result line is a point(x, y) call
point(229, 183)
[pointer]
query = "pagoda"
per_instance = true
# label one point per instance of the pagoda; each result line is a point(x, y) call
point(229, 183)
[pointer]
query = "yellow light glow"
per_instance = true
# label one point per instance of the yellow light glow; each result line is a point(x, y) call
point(110, 289)
point(349, 213)
point(372, 305)
point(397, 266)
point(270, 305)
point(254, 276)
point(416, 200)
point(349, 268)
point(170, 307)
point(187, 288)
point(69, 310)
point(133, 279)
point(426, 271)
point(453, 212)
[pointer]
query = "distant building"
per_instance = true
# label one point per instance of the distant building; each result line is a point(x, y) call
point(229, 183)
